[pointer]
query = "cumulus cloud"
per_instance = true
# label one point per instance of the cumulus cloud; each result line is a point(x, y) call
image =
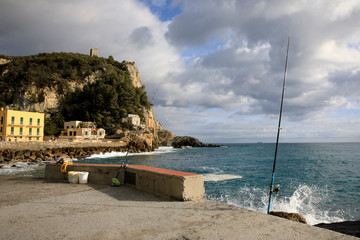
point(215, 64)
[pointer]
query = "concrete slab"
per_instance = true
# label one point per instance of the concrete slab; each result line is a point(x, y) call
point(30, 208)
point(183, 186)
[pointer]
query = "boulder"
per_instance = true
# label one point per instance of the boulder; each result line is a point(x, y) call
point(296, 217)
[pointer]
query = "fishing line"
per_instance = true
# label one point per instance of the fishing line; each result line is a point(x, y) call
point(124, 164)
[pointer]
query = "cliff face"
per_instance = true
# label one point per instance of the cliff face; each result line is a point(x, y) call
point(53, 100)
point(147, 139)
point(134, 73)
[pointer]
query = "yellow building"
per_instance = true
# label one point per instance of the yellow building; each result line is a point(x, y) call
point(21, 126)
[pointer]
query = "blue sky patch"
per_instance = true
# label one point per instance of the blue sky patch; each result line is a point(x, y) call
point(164, 9)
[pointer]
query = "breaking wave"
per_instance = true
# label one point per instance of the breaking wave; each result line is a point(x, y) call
point(219, 177)
point(161, 150)
point(305, 200)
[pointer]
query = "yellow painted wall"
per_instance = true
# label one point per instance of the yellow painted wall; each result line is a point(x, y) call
point(21, 126)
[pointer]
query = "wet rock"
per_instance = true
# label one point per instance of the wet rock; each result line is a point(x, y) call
point(296, 217)
point(347, 227)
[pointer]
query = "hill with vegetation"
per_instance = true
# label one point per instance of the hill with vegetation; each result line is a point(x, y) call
point(72, 86)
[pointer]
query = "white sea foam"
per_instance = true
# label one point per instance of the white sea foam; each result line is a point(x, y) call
point(219, 177)
point(21, 169)
point(161, 150)
point(305, 200)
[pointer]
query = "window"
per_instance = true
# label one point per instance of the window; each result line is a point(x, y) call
point(12, 130)
point(38, 122)
point(37, 139)
point(12, 120)
point(38, 131)
point(21, 131)
point(74, 133)
point(21, 121)
point(2, 120)
point(29, 138)
point(1, 129)
point(70, 133)
point(30, 131)
point(30, 121)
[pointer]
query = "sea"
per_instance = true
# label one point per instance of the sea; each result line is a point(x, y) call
point(319, 180)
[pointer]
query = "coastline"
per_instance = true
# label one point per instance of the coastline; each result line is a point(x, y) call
point(34, 209)
point(38, 152)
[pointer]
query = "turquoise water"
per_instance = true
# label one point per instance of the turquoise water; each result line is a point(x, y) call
point(319, 180)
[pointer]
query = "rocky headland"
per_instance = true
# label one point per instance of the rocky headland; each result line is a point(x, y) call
point(71, 86)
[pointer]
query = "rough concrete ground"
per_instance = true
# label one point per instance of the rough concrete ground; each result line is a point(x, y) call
point(33, 209)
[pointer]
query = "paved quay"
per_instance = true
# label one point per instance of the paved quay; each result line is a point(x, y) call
point(30, 208)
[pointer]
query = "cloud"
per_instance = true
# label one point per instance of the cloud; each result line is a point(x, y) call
point(142, 37)
point(217, 65)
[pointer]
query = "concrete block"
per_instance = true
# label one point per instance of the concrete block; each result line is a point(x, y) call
point(166, 183)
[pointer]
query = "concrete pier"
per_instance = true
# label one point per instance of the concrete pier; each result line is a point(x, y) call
point(31, 208)
point(166, 183)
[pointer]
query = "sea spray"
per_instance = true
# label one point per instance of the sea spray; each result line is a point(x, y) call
point(305, 200)
point(24, 169)
point(309, 201)
point(109, 155)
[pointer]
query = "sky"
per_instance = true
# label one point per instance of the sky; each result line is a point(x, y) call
point(214, 68)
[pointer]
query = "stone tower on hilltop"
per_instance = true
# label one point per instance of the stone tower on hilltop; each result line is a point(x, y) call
point(94, 52)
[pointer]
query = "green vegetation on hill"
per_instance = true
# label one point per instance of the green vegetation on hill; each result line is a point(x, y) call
point(105, 100)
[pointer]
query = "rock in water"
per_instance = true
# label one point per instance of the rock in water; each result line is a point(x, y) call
point(186, 141)
point(296, 217)
point(348, 227)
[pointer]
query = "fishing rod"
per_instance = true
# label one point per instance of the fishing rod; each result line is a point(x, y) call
point(129, 146)
point(123, 164)
point(277, 187)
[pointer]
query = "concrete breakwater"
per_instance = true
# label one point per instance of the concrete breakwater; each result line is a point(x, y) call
point(183, 186)
point(51, 151)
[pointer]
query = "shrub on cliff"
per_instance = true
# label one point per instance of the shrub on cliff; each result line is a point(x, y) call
point(105, 100)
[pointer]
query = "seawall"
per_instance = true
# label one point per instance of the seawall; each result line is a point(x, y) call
point(35, 152)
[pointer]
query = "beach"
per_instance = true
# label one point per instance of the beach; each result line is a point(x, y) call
point(31, 208)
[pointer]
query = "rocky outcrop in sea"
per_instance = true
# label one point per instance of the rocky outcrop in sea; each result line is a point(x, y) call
point(186, 141)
